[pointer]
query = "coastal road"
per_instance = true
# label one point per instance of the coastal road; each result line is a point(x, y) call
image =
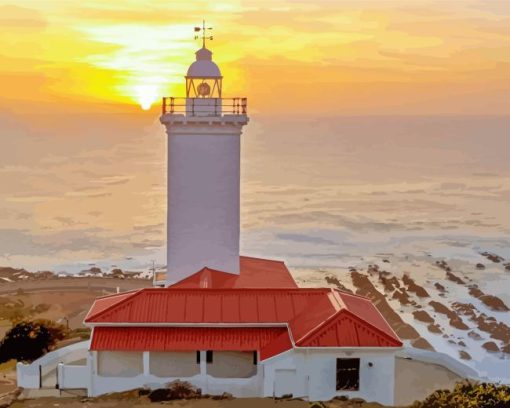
point(70, 284)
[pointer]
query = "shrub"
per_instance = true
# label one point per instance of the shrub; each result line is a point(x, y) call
point(27, 341)
point(175, 390)
point(468, 394)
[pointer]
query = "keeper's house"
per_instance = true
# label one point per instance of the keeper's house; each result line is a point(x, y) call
point(311, 343)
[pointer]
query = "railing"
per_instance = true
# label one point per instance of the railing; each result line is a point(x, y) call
point(205, 106)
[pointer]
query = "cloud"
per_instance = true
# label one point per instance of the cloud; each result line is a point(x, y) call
point(305, 238)
point(19, 18)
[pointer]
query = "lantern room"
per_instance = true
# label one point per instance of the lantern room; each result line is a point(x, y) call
point(203, 79)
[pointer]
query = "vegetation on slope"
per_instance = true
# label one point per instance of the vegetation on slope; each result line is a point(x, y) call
point(470, 395)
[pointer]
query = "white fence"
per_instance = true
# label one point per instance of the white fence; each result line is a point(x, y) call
point(442, 359)
point(28, 376)
point(42, 373)
point(73, 376)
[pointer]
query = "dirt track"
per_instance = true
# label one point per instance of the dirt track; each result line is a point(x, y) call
point(202, 403)
point(63, 284)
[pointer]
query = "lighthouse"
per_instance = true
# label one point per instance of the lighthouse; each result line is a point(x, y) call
point(204, 140)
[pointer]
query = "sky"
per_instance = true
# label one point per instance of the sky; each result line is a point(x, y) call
point(335, 57)
point(386, 118)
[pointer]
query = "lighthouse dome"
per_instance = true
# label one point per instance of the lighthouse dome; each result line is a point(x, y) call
point(203, 67)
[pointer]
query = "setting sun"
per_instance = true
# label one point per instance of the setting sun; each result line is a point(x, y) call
point(146, 95)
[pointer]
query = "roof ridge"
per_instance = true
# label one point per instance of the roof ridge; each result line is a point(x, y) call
point(118, 294)
point(261, 259)
point(339, 303)
point(107, 309)
point(344, 292)
point(233, 290)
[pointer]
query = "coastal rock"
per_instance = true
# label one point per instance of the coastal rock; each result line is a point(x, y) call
point(492, 302)
point(455, 320)
point(454, 278)
point(491, 347)
point(464, 355)
point(493, 257)
point(497, 330)
point(421, 343)
point(423, 316)
point(434, 328)
point(402, 296)
point(480, 266)
point(413, 287)
point(467, 309)
point(474, 335)
point(332, 280)
point(389, 284)
point(439, 287)
point(443, 265)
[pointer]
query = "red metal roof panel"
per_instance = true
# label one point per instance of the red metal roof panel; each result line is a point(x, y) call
point(183, 338)
point(104, 302)
point(254, 273)
point(310, 313)
point(366, 310)
point(347, 330)
point(277, 346)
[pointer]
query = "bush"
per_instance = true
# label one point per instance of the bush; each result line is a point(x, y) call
point(469, 394)
point(81, 332)
point(174, 391)
point(27, 341)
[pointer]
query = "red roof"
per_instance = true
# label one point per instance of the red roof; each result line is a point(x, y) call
point(184, 338)
point(254, 273)
point(315, 317)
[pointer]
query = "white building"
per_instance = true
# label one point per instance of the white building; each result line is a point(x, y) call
point(224, 322)
point(204, 142)
point(311, 343)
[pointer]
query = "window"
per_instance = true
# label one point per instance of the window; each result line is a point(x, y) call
point(208, 356)
point(347, 374)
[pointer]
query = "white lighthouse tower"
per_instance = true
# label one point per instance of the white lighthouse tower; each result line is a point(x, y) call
point(204, 138)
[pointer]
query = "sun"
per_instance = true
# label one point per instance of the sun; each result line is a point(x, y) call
point(146, 95)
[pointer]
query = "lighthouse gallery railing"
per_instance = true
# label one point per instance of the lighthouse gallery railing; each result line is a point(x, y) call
point(205, 106)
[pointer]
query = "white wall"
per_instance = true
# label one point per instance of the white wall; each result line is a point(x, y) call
point(203, 196)
point(239, 387)
point(27, 375)
point(119, 363)
point(315, 374)
point(232, 364)
point(304, 373)
point(174, 364)
point(73, 376)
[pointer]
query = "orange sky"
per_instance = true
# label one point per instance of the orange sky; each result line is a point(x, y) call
point(83, 167)
point(334, 57)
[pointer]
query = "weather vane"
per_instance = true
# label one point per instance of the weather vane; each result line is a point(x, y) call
point(205, 35)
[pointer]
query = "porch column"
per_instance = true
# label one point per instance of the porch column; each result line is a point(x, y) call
point(203, 363)
point(146, 363)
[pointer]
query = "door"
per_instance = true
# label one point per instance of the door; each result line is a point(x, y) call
point(284, 382)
